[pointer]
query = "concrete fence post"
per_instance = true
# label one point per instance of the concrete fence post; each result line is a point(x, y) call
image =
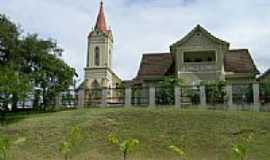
point(177, 97)
point(229, 95)
point(256, 97)
point(152, 96)
point(104, 97)
point(127, 97)
point(81, 98)
point(202, 96)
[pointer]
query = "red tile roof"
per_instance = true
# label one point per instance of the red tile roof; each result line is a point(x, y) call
point(101, 24)
point(239, 61)
point(155, 65)
point(160, 64)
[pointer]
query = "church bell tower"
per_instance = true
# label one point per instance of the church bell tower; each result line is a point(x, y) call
point(98, 72)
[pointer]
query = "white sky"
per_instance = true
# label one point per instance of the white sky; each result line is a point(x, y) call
point(143, 26)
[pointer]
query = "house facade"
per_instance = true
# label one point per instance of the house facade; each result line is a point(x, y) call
point(197, 57)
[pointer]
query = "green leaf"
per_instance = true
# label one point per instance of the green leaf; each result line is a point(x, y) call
point(177, 150)
point(113, 139)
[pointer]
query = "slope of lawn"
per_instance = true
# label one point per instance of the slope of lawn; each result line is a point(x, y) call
point(205, 135)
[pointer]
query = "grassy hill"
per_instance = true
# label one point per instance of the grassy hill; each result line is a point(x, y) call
point(205, 135)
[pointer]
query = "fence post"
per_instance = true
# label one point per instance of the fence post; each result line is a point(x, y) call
point(127, 97)
point(104, 98)
point(81, 98)
point(202, 96)
point(177, 97)
point(152, 96)
point(229, 95)
point(256, 97)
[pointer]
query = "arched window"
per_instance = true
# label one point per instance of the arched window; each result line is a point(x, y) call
point(97, 56)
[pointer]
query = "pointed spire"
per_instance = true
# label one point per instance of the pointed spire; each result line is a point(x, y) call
point(101, 24)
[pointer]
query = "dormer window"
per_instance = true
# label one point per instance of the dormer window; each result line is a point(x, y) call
point(199, 56)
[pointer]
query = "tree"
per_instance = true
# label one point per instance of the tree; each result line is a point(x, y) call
point(29, 63)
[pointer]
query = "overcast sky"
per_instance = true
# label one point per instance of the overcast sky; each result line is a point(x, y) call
point(143, 26)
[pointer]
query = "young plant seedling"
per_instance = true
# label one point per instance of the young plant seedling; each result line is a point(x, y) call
point(71, 141)
point(179, 151)
point(5, 145)
point(241, 150)
point(126, 146)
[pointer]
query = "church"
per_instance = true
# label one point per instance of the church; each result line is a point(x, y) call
point(198, 56)
point(98, 71)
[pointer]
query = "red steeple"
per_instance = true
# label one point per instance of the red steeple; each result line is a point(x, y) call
point(101, 24)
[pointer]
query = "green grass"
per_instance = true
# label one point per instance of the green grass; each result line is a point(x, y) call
point(205, 135)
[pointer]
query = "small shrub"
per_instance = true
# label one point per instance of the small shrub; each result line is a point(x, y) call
point(5, 145)
point(241, 149)
point(74, 137)
point(125, 146)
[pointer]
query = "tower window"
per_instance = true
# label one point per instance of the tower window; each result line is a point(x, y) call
point(97, 56)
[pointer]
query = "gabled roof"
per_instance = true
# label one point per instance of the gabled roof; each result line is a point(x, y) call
point(155, 65)
point(204, 31)
point(239, 61)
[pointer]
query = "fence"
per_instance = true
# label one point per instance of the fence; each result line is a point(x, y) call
point(231, 97)
point(228, 97)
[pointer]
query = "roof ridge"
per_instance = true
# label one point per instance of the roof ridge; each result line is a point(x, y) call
point(156, 53)
point(241, 49)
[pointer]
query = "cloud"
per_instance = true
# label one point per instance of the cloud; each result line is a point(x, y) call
point(141, 26)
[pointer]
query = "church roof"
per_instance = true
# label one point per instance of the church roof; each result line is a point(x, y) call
point(239, 61)
point(101, 24)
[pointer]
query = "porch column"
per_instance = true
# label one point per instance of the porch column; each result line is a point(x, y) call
point(81, 98)
point(104, 98)
point(256, 97)
point(152, 96)
point(202, 96)
point(177, 97)
point(127, 97)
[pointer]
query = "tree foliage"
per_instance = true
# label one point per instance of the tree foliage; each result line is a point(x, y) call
point(166, 90)
point(216, 92)
point(28, 63)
